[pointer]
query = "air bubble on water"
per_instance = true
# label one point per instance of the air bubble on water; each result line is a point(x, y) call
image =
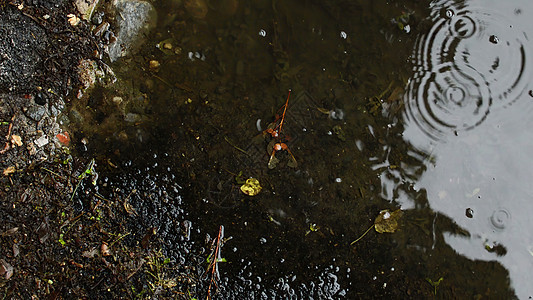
point(500, 218)
point(344, 35)
point(449, 13)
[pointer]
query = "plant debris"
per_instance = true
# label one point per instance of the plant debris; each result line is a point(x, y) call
point(251, 187)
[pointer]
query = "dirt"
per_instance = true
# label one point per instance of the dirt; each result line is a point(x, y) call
point(54, 242)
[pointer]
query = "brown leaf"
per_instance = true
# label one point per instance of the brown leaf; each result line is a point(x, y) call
point(387, 221)
point(16, 250)
point(10, 232)
point(43, 231)
point(6, 269)
point(104, 249)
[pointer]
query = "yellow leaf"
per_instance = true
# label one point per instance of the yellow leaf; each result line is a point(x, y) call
point(251, 187)
point(387, 221)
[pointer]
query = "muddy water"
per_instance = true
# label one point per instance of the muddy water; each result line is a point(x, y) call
point(392, 106)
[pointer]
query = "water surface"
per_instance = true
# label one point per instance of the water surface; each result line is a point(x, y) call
point(398, 105)
point(468, 109)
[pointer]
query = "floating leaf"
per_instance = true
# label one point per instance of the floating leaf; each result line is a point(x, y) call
point(167, 47)
point(339, 133)
point(387, 221)
point(251, 187)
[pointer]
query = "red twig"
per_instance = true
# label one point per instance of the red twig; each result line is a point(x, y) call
point(284, 111)
point(213, 265)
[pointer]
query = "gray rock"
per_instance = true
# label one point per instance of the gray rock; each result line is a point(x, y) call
point(135, 19)
point(75, 116)
point(35, 113)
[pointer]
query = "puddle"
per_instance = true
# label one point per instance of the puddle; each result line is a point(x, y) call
point(468, 110)
point(442, 140)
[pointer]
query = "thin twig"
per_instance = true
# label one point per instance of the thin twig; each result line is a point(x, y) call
point(284, 111)
point(214, 262)
point(6, 147)
point(362, 235)
point(52, 172)
point(233, 145)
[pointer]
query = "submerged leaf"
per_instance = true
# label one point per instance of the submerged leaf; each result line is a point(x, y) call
point(387, 221)
point(251, 187)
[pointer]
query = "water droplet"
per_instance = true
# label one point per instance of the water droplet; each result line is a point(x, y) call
point(455, 94)
point(500, 218)
point(344, 35)
point(449, 13)
point(463, 27)
point(469, 213)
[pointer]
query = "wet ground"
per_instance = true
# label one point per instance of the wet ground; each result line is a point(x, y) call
point(389, 109)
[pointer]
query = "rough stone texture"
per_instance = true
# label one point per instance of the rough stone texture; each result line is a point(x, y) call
point(134, 19)
point(86, 8)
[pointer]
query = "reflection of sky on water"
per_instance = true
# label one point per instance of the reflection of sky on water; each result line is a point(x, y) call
point(468, 108)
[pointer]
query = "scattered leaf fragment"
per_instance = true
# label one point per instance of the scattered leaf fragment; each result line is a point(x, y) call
point(16, 250)
point(387, 221)
point(43, 231)
point(251, 187)
point(6, 269)
point(9, 170)
point(434, 284)
point(10, 232)
point(104, 249)
point(73, 19)
point(61, 240)
point(90, 253)
point(16, 140)
point(64, 138)
point(339, 133)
